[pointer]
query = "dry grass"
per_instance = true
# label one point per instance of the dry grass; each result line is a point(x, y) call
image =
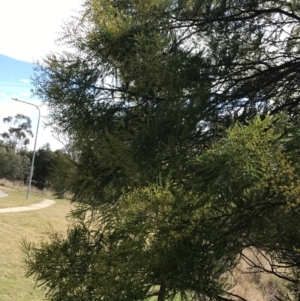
point(13, 226)
point(19, 186)
point(253, 285)
point(18, 198)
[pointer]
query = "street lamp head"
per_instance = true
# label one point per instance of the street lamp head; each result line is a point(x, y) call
point(19, 100)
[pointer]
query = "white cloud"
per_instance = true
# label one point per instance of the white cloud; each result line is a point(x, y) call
point(28, 29)
point(26, 81)
point(25, 94)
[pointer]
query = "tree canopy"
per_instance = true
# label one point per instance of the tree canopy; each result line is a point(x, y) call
point(14, 164)
point(164, 241)
point(16, 138)
point(156, 79)
point(184, 119)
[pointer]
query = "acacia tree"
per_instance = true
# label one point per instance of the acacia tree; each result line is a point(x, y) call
point(144, 95)
point(162, 241)
point(156, 79)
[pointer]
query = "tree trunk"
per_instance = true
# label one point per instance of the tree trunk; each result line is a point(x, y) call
point(161, 293)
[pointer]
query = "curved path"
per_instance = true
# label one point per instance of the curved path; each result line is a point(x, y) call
point(43, 204)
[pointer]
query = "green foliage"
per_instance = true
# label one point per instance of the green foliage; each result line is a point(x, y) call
point(13, 166)
point(142, 247)
point(244, 158)
point(146, 92)
point(61, 174)
point(44, 165)
point(161, 240)
point(15, 138)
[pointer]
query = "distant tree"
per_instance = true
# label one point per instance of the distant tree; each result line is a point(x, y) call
point(16, 138)
point(46, 146)
point(61, 176)
point(44, 163)
point(14, 166)
point(51, 168)
point(67, 141)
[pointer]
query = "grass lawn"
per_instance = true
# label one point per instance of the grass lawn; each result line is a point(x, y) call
point(18, 198)
point(13, 226)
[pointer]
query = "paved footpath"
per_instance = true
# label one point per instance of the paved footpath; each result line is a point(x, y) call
point(45, 203)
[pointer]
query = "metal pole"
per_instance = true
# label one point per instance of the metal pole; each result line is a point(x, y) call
point(33, 156)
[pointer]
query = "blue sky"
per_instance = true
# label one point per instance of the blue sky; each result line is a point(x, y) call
point(15, 76)
point(28, 30)
point(15, 82)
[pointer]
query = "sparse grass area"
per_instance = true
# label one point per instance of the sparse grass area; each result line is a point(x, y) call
point(13, 226)
point(20, 186)
point(18, 198)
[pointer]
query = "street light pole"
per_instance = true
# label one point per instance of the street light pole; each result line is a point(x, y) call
point(33, 156)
